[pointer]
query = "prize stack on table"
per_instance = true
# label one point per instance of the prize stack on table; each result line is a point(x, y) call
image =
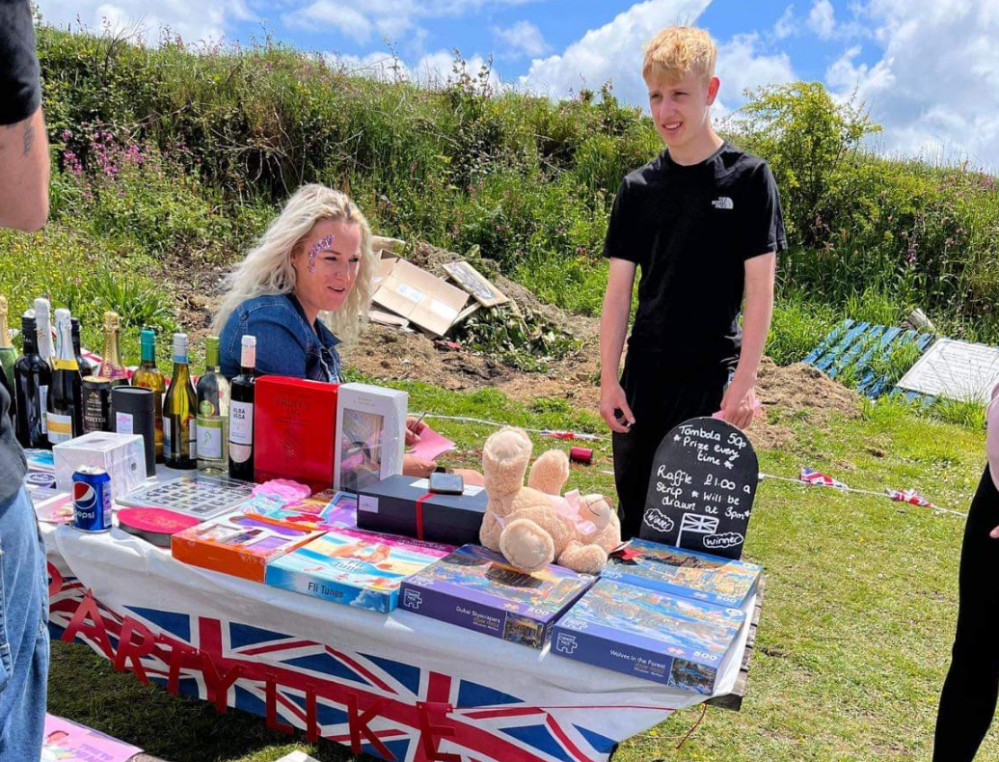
point(328, 515)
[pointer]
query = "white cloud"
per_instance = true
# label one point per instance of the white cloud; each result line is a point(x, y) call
point(391, 18)
point(612, 52)
point(785, 24)
point(523, 39)
point(822, 19)
point(936, 87)
point(334, 15)
point(193, 20)
point(742, 66)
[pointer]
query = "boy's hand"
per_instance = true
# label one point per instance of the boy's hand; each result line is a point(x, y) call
point(614, 407)
point(739, 405)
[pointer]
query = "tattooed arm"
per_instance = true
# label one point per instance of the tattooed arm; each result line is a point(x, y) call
point(24, 173)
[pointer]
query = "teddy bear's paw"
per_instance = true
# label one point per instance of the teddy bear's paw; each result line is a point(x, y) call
point(585, 559)
point(550, 472)
point(526, 545)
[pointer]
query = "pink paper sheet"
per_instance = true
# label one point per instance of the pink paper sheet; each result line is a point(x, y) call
point(431, 444)
point(66, 741)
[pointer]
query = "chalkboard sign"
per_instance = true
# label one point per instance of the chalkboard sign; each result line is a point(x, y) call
point(701, 492)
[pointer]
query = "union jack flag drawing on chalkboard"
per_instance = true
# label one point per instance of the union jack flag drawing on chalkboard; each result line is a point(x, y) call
point(387, 708)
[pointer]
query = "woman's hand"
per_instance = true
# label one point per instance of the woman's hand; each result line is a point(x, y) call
point(413, 428)
point(414, 465)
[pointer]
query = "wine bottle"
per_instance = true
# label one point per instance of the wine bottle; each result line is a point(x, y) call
point(213, 413)
point(241, 413)
point(64, 416)
point(111, 366)
point(86, 367)
point(8, 356)
point(148, 376)
point(43, 323)
point(180, 446)
point(32, 377)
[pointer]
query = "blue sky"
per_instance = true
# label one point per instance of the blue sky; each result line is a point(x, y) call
point(928, 70)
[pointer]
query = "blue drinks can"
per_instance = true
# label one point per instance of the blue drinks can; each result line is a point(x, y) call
point(92, 499)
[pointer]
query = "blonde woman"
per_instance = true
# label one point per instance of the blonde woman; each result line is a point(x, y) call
point(303, 288)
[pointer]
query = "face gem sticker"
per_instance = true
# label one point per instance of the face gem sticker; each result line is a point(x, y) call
point(322, 244)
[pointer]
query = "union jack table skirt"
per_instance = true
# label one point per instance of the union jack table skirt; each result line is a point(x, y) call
point(400, 687)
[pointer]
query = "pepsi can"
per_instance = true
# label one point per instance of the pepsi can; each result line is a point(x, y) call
point(92, 499)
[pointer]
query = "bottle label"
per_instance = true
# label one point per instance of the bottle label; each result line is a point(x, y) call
point(43, 403)
point(123, 423)
point(167, 449)
point(240, 431)
point(210, 438)
point(60, 427)
point(63, 364)
point(192, 437)
point(241, 423)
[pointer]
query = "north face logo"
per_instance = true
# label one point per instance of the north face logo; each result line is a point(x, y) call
point(723, 202)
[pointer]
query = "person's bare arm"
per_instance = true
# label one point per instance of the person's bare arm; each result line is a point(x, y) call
point(739, 403)
point(613, 330)
point(24, 173)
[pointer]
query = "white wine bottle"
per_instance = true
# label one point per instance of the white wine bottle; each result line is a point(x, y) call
point(213, 413)
point(180, 448)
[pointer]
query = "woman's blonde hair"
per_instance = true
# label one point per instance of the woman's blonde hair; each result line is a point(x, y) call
point(267, 267)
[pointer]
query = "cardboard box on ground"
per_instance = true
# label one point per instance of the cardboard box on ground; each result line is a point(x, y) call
point(405, 294)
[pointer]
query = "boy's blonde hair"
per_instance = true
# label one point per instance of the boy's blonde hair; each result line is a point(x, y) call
point(677, 50)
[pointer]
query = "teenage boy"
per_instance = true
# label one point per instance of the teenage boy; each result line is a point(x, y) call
point(703, 223)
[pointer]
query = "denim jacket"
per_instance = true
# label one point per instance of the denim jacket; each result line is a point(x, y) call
point(286, 344)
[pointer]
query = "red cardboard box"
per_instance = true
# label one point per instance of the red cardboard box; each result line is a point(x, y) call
point(294, 430)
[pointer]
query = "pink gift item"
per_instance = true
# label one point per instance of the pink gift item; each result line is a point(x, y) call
point(286, 490)
point(154, 525)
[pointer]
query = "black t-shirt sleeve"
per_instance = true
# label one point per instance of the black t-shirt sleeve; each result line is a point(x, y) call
point(20, 89)
point(622, 241)
point(763, 223)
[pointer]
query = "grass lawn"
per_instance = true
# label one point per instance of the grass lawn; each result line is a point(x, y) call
point(854, 640)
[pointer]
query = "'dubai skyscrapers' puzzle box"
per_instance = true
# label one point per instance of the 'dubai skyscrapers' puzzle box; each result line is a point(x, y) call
point(477, 589)
point(656, 636)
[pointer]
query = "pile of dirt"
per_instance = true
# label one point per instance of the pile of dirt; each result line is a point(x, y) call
point(793, 392)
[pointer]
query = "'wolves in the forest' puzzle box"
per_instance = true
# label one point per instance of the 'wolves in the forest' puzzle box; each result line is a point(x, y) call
point(667, 639)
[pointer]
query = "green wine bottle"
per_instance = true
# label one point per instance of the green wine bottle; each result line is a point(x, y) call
point(213, 413)
point(180, 448)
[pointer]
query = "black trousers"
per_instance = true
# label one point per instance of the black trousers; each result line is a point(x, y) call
point(968, 701)
point(660, 395)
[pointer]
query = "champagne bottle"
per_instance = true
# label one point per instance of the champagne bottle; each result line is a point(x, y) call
point(180, 448)
point(32, 377)
point(148, 376)
point(43, 324)
point(241, 413)
point(213, 413)
point(64, 417)
point(8, 356)
point(86, 367)
point(111, 366)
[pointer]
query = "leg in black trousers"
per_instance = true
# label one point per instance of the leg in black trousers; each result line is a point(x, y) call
point(659, 400)
point(968, 701)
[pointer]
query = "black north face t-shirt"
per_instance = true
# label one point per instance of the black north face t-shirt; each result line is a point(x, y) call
point(690, 230)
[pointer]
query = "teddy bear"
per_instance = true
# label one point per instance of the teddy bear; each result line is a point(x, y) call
point(535, 525)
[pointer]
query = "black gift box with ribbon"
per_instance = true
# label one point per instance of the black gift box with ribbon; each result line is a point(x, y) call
point(405, 505)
